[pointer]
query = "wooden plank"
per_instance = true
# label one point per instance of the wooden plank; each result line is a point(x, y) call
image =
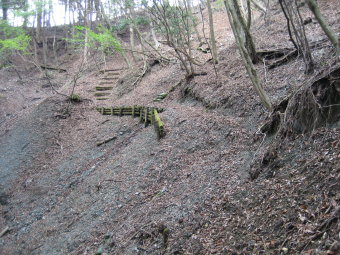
point(100, 94)
point(109, 78)
point(102, 88)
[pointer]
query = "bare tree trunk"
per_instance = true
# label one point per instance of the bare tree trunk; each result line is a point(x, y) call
point(4, 6)
point(243, 8)
point(65, 10)
point(237, 28)
point(259, 6)
point(295, 25)
point(50, 10)
point(194, 23)
point(44, 51)
point(132, 42)
point(25, 8)
point(39, 23)
point(249, 43)
point(130, 13)
point(154, 37)
point(248, 15)
point(86, 31)
point(313, 6)
point(212, 33)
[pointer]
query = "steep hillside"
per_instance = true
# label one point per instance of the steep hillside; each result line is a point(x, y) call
point(217, 183)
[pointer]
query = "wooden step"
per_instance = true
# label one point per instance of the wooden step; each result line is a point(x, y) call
point(100, 94)
point(109, 78)
point(105, 83)
point(112, 73)
point(147, 115)
point(102, 98)
point(101, 88)
point(112, 70)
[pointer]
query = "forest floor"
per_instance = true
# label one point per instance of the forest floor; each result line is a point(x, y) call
point(191, 192)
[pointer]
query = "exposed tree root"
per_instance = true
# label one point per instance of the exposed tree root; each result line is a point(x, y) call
point(316, 104)
point(278, 57)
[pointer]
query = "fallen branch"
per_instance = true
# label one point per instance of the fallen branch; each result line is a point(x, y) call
point(106, 141)
point(61, 70)
point(4, 231)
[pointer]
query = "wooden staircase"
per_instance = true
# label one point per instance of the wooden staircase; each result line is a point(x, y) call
point(107, 81)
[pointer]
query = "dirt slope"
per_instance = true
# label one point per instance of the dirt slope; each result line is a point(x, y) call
point(188, 193)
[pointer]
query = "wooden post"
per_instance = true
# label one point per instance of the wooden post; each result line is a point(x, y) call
point(152, 116)
point(141, 114)
point(158, 125)
point(111, 110)
point(146, 117)
point(133, 111)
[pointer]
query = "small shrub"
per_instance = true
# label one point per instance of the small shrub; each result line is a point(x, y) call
point(75, 98)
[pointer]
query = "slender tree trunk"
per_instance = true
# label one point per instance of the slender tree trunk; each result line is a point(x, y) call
point(153, 34)
point(313, 6)
point(50, 11)
point(132, 31)
point(297, 29)
point(65, 10)
point(212, 33)
point(25, 8)
point(248, 15)
point(288, 25)
point(86, 31)
point(132, 42)
point(237, 28)
point(44, 51)
point(39, 23)
point(249, 43)
point(4, 6)
point(194, 23)
point(243, 8)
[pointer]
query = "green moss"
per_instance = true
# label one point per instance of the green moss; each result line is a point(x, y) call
point(74, 98)
point(100, 94)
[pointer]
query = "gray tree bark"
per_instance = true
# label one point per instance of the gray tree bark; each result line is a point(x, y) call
point(212, 33)
point(238, 28)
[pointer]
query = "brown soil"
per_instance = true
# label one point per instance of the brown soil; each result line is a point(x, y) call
point(190, 192)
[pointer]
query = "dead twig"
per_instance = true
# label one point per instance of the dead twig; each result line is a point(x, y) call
point(107, 140)
point(4, 231)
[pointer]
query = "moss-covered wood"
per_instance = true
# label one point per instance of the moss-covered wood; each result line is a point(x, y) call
point(103, 88)
point(102, 98)
point(110, 78)
point(111, 73)
point(101, 94)
point(112, 70)
point(105, 83)
point(146, 115)
point(159, 126)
